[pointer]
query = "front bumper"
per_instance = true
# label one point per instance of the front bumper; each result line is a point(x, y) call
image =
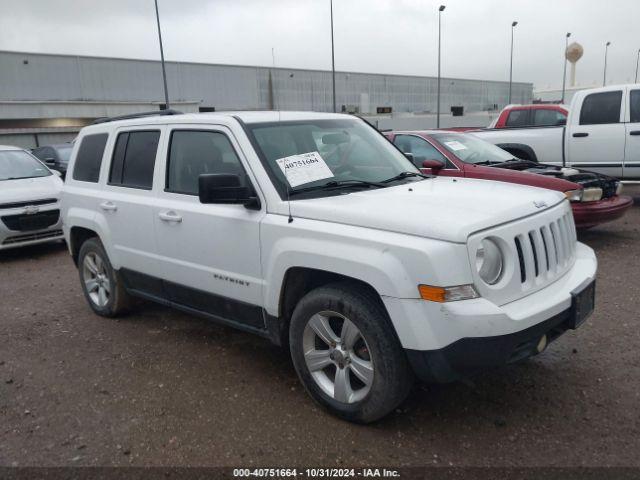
point(471, 355)
point(590, 214)
point(17, 237)
point(478, 333)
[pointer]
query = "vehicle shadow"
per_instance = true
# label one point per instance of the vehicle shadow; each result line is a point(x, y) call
point(33, 252)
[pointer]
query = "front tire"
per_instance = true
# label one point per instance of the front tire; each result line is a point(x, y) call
point(101, 284)
point(347, 354)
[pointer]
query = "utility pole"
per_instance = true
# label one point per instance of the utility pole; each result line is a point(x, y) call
point(513, 25)
point(604, 76)
point(333, 61)
point(440, 10)
point(564, 72)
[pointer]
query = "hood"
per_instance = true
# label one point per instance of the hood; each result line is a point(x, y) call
point(26, 189)
point(441, 208)
point(522, 174)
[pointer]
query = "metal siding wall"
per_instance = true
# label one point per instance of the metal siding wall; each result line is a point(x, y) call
point(225, 87)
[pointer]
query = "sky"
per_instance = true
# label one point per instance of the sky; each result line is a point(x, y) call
point(379, 36)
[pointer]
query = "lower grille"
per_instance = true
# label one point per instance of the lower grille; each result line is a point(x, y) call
point(25, 222)
point(31, 237)
point(546, 249)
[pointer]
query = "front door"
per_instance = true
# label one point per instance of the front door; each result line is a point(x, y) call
point(210, 253)
point(596, 138)
point(632, 144)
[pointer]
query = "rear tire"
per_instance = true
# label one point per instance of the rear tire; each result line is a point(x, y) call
point(101, 284)
point(347, 354)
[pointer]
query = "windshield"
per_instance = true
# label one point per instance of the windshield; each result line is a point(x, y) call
point(64, 153)
point(339, 151)
point(472, 149)
point(16, 164)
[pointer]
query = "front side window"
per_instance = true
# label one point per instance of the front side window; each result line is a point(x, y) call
point(546, 118)
point(89, 158)
point(518, 118)
point(16, 164)
point(635, 106)
point(419, 148)
point(134, 157)
point(601, 108)
point(196, 152)
point(352, 151)
point(472, 149)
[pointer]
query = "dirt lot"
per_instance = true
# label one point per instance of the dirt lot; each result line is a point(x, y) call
point(162, 388)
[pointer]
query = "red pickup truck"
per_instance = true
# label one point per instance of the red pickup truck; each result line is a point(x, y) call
point(595, 198)
point(538, 115)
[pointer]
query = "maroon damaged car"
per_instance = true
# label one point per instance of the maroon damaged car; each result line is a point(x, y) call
point(595, 198)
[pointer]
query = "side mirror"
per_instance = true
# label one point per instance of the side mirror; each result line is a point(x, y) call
point(224, 188)
point(50, 161)
point(434, 165)
point(57, 173)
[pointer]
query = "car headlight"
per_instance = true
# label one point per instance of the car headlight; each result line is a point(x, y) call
point(618, 188)
point(592, 194)
point(489, 261)
point(574, 195)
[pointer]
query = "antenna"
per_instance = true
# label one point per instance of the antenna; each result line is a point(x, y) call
point(284, 164)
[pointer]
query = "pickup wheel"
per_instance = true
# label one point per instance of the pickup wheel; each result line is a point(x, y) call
point(347, 354)
point(101, 284)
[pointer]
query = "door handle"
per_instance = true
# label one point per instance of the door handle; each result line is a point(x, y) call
point(108, 206)
point(580, 134)
point(634, 132)
point(170, 216)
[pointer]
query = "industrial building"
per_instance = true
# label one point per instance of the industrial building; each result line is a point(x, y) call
point(46, 98)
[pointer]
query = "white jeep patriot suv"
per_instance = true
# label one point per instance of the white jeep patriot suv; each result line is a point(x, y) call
point(314, 231)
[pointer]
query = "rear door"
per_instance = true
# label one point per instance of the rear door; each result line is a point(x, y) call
point(126, 205)
point(595, 138)
point(210, 253)
point(632, 142)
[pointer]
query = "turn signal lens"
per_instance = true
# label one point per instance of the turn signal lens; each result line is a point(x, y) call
point(592, 194)
point(447, 294)
point(574, 195)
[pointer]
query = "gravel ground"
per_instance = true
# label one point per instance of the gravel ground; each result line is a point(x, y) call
point(161, 388)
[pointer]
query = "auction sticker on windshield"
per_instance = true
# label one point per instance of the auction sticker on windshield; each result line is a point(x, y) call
point(455, 145)
point(304, 168)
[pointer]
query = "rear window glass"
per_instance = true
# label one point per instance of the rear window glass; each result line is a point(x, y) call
point(134, 158)
point(89, 158)
point(599, 108)
point(518, 118)
point(635, 106)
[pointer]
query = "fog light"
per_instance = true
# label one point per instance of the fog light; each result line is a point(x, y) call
point(542, 344)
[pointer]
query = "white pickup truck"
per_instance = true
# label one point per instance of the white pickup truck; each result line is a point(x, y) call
point(602, 134)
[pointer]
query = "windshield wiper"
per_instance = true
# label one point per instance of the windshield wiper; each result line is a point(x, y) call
point(338, 184)
point(402, 175)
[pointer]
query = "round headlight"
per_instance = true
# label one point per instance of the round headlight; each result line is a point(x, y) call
point(489, 261)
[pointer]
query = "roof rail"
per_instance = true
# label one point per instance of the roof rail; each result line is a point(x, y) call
point(155, 113)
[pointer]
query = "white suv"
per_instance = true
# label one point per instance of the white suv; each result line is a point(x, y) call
point(368, 270)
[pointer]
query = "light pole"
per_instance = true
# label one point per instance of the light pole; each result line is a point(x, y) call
point(564, 72)
point(440, 10)
point(637, 61)
point(604, 76)
point(513, 25)
point(333, 62)
point(164, 72)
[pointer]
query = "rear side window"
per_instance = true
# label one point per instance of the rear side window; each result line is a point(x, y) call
point(544, 118)
point(89, 158)
point(600, 108)
point(134, 157)
point(635, 106)
point(196, 152)
point(518, 118)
